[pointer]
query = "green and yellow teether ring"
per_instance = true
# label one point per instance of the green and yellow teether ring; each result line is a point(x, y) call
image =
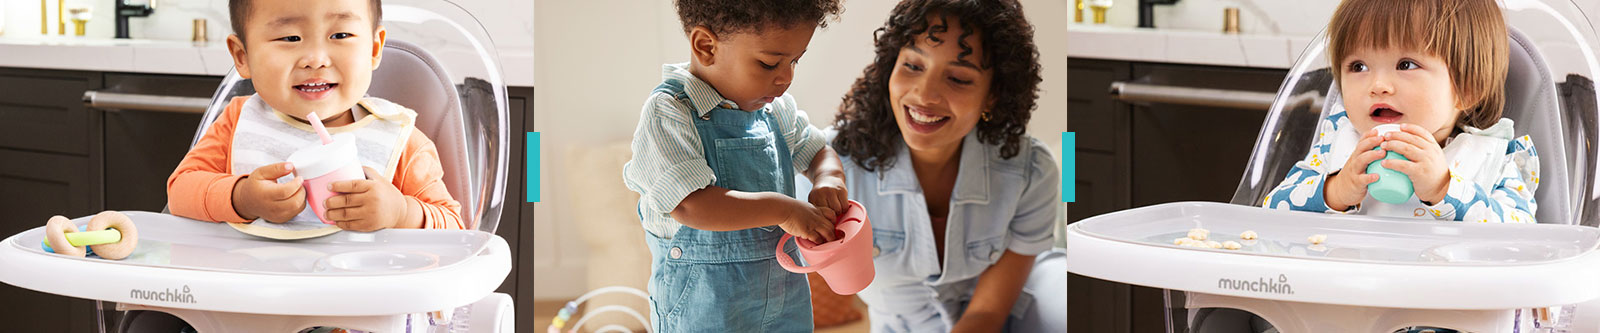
point(110, 235)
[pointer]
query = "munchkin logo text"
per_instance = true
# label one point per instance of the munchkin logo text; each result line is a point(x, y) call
point(1263, 285)
point(167, 295)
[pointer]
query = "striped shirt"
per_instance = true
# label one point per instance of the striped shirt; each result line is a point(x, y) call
point(669, 162)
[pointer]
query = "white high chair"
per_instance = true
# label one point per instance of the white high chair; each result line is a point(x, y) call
point(1386, 274)
point(218, 279)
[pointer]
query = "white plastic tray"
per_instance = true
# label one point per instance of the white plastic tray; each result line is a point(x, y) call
point(1365, 261)
point(183, 263)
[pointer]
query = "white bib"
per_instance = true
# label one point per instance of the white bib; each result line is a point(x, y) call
point(264, 136)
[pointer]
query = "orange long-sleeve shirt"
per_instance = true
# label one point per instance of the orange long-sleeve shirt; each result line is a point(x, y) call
point(202, 186)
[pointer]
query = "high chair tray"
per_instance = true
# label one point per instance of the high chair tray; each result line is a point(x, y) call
point(183, 263)
point(1364, 261)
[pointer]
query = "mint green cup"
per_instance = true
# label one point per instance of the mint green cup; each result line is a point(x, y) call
point(1392, 186)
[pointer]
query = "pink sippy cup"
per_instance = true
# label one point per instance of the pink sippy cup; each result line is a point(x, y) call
point(845, 263)
point(321, 165)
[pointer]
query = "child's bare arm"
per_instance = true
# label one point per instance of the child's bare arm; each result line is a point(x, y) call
point(828, 191)
point(719, 209)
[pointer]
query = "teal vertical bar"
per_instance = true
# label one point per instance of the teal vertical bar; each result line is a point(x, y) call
point(1069, 167)
point(533, 167)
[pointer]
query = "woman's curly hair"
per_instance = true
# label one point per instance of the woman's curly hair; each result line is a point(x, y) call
point(866, 122)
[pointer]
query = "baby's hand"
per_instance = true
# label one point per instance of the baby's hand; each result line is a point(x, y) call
point(1426, 166)
point(830, 196)
point(1349, 186)
point(259, 195)
point(366, 205)
point(806, 221)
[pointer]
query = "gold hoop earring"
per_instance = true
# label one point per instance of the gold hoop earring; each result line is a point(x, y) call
point(987, 116)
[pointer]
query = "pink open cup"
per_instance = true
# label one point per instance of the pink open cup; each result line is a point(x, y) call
point(846, 262)
point(323, 164)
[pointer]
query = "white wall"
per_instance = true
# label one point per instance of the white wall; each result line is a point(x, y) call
point(599, 59)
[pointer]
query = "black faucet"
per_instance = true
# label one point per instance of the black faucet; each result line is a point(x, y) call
point(1147, 17)
point(125, 11)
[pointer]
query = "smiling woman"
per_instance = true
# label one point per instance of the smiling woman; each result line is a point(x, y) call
point(1004, 47)
point(936, 124)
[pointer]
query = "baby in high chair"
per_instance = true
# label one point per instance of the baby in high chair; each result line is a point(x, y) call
point(304, 58)
point(1437, 69)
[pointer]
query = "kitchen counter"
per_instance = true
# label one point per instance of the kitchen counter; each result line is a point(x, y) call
point(170, 57)
point(1184, 46)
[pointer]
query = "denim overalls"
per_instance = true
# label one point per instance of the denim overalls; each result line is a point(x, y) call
point(730, 281)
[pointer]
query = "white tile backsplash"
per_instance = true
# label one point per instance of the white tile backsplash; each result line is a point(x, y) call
point(1297, 20)
point(1291, 17)
point(509, 22)
point(1299, 17)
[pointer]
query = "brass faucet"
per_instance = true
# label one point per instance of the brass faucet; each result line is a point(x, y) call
point(1077, 11)
point(61, 22)
point(44, 17)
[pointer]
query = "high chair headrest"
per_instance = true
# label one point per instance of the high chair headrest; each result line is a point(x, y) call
point(412, 77)
point(1533, 102)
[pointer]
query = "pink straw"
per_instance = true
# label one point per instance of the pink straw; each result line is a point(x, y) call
point(322, 132)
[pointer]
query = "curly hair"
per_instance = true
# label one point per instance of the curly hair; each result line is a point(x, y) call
point(736, 16)
point(866, 123)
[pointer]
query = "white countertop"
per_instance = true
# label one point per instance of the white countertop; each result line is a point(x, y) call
point(170, 57)
point(1184, 46)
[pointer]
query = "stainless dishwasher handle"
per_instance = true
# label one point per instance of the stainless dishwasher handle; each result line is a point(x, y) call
point(1151, 93)
point(158, 103)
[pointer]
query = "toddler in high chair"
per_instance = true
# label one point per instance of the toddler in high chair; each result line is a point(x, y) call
point(1437, 69)
point(714, 159)
point(303, 58)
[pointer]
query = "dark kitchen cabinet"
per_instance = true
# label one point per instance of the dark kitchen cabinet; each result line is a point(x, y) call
point(1133, 155)
point(51, 163)
point(142, 148)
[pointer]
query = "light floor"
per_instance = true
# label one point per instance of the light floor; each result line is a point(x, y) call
point(546, 310)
